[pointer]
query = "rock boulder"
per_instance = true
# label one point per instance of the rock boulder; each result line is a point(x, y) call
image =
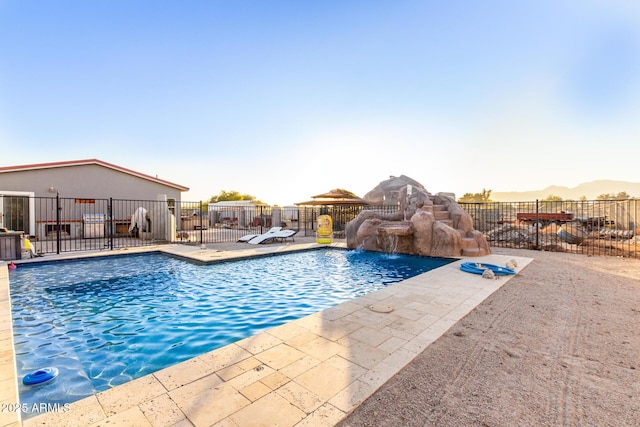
point(424, 224)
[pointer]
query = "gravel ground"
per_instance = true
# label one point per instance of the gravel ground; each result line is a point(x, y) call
point(558, 345)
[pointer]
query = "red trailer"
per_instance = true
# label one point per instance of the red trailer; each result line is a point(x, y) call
point(545, 218)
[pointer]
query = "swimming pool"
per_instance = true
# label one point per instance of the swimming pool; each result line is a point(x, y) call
point(103, 322)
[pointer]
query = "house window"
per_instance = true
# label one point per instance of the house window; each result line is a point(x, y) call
point(14, 213)
point(17, 211)
point(65, 229)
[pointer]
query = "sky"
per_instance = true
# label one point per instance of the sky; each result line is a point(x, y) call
point(284, 100)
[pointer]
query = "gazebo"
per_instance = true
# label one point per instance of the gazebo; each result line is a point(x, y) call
point(335, 197)
point(342, 205)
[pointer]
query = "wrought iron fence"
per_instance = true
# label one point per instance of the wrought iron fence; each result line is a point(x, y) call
point(202, 223)
point(56, 224)
point(591, 227)
point(210, 223)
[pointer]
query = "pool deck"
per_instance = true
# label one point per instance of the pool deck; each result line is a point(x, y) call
point(309, 372)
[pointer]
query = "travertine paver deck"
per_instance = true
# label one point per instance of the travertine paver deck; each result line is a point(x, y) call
point(8, 385)
point(309, 372)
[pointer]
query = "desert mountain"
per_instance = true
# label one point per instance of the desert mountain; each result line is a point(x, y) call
point(591, 190)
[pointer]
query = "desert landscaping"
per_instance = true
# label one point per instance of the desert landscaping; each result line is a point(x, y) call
point(555, 346)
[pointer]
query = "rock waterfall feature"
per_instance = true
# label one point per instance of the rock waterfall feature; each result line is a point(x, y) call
point(424, 224)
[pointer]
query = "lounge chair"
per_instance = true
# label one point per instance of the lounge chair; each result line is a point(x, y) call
point(248, 237)
point(279, 234)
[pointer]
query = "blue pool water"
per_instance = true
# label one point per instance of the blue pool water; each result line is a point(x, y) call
point(104, 322)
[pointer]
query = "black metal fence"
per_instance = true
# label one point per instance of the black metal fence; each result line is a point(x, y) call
point(202, 223)
point(56, 224)
point(591, 227)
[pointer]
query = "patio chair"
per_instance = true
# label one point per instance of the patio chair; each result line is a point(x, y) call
point(280, 234)
point(248, 237)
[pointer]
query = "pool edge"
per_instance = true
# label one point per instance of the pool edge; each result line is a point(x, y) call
point(151, 389)
point(9, 398)
point(10, 394)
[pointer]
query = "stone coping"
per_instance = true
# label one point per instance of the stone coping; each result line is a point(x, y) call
point(8, 384)
point(309, 372)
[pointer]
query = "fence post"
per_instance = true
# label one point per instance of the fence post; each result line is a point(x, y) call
point(110, 213)
point(201, 231)
point(537, 225)
point(635, 226)
point(262, 220)
point(58, 208)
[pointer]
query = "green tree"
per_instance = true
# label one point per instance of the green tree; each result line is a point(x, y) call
point(227, 196)
point(611, 196)
point(483, 197)
point(553, 198)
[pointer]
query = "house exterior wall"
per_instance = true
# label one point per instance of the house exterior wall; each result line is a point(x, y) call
point(84, 190)
point(90, 181)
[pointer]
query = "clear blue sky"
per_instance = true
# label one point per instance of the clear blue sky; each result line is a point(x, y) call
point(288, 99)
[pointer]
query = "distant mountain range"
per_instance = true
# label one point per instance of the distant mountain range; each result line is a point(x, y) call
point(590, 190)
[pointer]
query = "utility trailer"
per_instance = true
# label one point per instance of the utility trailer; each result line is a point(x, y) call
point(596, 222)
point(544, 218)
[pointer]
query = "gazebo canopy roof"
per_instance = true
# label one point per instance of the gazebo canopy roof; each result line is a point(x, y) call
point(335, 197)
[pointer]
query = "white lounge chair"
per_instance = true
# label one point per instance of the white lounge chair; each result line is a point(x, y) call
point(248, 237)
point(285, 234)
point(280, 234)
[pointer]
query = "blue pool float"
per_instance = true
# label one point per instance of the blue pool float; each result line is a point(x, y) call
point(479, 268)
point(40, 376)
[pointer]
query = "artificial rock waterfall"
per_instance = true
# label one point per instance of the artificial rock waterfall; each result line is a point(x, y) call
point(426, 224)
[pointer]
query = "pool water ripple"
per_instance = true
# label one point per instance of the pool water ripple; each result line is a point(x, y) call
point(106, 321)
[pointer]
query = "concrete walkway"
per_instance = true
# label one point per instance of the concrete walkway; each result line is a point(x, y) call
point(309, 372)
